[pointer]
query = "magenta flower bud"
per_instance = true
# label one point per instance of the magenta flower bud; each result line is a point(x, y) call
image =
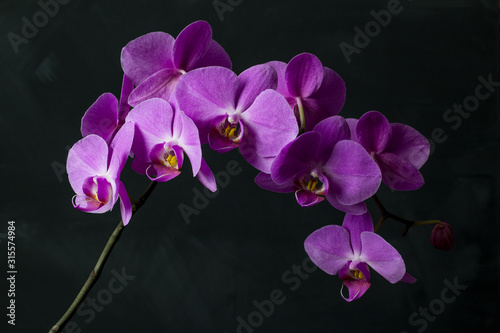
point(442, 236)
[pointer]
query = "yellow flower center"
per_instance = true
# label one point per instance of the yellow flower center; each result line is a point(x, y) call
point(230, 132)
point(171, 161)
point(311, 184)
point(357, 274)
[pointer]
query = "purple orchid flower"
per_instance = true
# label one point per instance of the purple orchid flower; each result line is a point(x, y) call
point(238, 111)
point(105, 117)
point(94, 172)
point(313, 91)
point(351, 249)
point(325, 163)
point(162, 135)
point(399, 150)
point(156, 61)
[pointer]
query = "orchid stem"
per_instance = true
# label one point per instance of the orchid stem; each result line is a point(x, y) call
point(96, 272)
point(384, 215)
point(427, 222)
point(302, 116)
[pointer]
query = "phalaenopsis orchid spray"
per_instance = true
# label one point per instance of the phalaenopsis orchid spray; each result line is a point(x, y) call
point(285, 119)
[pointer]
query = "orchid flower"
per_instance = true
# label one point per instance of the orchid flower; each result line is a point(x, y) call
point(325, 163)
point(313, 91)
point(238, 111)
point(156, 61)
point(351, 249)
point(398, 149)
point(105, 117)
point(94, 172)
point(163, 134)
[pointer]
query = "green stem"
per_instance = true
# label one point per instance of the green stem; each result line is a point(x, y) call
point(96, 272)
point(417, 223)
point(302, 116)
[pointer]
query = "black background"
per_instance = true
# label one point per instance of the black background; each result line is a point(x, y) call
point(202, 276)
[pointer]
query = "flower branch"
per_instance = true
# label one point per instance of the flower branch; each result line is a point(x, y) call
point(384, 215)
point(96, 272)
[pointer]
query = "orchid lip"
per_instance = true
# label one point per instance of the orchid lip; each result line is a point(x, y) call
point(312, 183)
point(166, 160)
point(230, 129)
point(96, 192)
point(98, 188)
point(310, 190)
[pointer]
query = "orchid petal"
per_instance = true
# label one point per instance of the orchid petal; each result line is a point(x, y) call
point(356, 224)
point(407, 278)
point(352, 173)
point(140, 165)
point(355, 209)
point(382, 257)
point(269, 124)
point(252, 82)
point(265, 181)
point(329, 248)
point(260, 163)
point(373, 131)
point(160, 85)
point(124, 107)
point(333, 130)
point(125, 204)
point(146, 55)
point(409, 144)
point(352, 123)
point(330, 97)
point(327, 101)
point(214, 56)
point(296, 157)
point(120, 149)
point(303, 75)
point(191, 44)
point(398, 173)
point(87, 158)
point(280, 67)
point(206, 177)
point(186, 133)
point(205, 93)
point(153, 119)
point(101, 118)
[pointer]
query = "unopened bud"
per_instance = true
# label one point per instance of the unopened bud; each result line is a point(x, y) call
point(442, 236)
